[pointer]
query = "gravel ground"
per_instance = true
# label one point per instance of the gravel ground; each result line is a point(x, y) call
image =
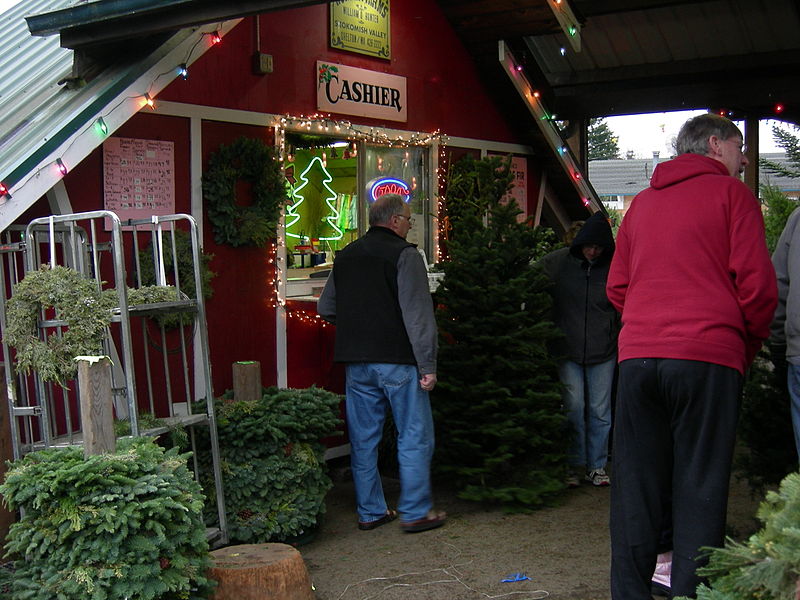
point(563, 552)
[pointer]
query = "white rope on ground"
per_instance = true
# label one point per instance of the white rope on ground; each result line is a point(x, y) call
point(455, 577)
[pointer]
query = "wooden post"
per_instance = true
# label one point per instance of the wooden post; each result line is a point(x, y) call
point(246, 380)
point(260, 572)
point(97, 417)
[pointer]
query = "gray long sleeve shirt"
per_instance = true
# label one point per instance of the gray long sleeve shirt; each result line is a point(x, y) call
point(785, 328)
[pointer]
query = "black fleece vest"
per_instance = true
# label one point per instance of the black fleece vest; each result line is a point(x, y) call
point(369, 323)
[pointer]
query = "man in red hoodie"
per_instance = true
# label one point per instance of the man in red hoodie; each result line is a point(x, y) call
point(693, 281)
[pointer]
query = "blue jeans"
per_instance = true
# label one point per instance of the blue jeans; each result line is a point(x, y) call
point(371, 387)
point(587, 400)
point(794, 394)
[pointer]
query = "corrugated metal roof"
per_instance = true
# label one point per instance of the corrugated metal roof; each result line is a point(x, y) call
point(627, 177)
point(29, 71)
point(42, 121)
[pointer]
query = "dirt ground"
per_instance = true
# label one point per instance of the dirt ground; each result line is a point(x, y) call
point(563, 551)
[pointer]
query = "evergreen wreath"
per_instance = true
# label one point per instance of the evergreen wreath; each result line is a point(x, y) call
point(76, 300)
point(252, 161)
point(65, 295)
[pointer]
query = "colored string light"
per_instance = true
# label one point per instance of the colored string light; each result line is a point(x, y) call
point(102, 127)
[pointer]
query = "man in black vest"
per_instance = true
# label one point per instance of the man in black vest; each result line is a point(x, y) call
point(379, 299)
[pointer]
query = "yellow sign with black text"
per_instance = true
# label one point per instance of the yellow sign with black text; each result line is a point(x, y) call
point(361, 26)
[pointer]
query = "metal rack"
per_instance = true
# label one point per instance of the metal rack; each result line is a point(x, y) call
point(45, 415)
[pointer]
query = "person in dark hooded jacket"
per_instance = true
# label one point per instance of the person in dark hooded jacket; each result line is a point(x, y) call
point(589, 347)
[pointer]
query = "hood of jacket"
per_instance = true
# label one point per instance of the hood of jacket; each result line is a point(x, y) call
point(683, 167)
point(596, 230)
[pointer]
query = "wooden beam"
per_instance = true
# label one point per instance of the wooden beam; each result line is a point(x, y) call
point(717, 69)
point(458, 9)
point(594, 8)
point(505, 25)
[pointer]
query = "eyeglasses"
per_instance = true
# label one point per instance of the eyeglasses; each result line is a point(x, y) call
point(742, 147)
point(409, 219)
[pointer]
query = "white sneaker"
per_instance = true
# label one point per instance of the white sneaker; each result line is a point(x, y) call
point(598, 477)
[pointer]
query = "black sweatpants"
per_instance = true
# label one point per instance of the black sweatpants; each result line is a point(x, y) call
point(674, 434)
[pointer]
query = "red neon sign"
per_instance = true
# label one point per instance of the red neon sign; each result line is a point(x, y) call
point(389, 185)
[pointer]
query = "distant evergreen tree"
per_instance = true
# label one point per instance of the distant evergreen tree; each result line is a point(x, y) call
point(602, 142)
point(778, 207)
point(791, 145)
point(501, 435)
point(615, 217)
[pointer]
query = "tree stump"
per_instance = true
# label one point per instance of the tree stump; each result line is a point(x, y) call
point(246, 381)
point(260, 572)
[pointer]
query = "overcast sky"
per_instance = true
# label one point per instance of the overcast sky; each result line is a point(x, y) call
point(645, 134)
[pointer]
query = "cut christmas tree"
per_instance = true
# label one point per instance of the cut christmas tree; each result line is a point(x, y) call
point(501, 435)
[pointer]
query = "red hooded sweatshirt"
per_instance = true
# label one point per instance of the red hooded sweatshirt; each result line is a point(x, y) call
point(691, 274)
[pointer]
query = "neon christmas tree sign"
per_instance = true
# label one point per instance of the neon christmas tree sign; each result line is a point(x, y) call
point(299, 196)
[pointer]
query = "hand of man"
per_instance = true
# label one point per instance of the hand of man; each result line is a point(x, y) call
point(427, 382)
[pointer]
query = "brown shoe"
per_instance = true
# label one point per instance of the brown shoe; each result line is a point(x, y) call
point(432, 521)
point(390, 516)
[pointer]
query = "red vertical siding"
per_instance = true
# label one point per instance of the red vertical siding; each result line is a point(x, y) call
point(241, 317)
point(444, 91)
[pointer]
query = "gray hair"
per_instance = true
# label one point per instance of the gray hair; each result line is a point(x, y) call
point(384, 208)
point(694, 134)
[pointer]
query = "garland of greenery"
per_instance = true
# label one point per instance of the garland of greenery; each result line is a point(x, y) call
point(252, 161)
point(68, 296)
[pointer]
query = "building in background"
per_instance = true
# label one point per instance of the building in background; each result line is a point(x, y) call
point(618, 181)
